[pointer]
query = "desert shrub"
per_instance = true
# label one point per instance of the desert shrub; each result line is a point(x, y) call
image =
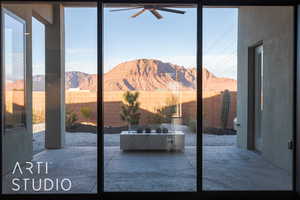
point(86, 112)
point(130, 109)
point(71, 119)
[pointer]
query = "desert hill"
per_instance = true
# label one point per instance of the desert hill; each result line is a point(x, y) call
point(150, 74)
point(144, 74)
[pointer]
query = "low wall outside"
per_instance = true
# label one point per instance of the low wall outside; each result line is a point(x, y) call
point(150, 101)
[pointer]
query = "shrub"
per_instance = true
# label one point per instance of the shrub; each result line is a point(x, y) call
point(86, 112)
point(71, 119)
point(129, 112)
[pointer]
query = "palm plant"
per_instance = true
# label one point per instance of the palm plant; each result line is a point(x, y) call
point(129, 112)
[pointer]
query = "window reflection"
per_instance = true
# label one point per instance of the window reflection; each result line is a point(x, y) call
point(14, 61)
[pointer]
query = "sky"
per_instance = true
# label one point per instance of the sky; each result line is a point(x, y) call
point(171, 39)
point(38, 46)
point(13, 43)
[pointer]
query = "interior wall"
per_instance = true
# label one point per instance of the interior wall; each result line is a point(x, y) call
point(274, 27)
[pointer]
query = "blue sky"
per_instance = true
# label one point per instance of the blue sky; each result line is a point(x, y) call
point(14, 54)
point(171, 39)
point(38, 46)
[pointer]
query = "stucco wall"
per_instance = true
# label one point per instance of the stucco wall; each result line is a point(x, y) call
point(274, 27)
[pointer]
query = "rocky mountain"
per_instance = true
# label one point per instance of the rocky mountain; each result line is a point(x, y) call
point(150, 74)
point(73, 79)
point(144, 74)
point(81, 80)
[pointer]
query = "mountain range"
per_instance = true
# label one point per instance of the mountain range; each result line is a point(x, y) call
point(143, 74)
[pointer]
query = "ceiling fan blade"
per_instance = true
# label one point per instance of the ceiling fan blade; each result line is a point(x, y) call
point(171, 10)
point(138, 13)
point(124, 9)
point(156, 14)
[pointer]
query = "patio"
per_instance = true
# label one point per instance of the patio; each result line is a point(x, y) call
point(225, 166)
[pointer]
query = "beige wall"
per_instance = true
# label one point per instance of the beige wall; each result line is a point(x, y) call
point(274, 27)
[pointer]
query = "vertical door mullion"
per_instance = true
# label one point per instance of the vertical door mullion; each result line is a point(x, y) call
point(1, 89)
point(296, 126)
point(100, 135)
point(199, 96)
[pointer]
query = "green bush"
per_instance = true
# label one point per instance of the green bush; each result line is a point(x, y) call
point(86, 112)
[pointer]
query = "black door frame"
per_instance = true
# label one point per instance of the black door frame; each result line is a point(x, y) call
point(200, 193)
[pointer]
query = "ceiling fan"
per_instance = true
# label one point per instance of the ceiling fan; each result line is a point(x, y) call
point(152, 8)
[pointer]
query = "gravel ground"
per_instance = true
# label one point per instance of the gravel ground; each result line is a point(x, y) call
point(90, 139)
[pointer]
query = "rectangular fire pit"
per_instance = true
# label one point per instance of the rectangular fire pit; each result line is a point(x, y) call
point(172, 141)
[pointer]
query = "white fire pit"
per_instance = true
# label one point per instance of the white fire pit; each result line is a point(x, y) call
point(172, 141)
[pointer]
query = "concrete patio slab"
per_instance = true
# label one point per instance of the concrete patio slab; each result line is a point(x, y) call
point(231, 168)
point(79, 164)
point(225, 167)
point(148, 171)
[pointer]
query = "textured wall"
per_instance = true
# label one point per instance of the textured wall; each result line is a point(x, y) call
point(274, 27)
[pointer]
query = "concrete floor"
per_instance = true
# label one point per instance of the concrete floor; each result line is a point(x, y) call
point(149, 171)
point(231, 168)
point(79, 164)
point(225, 167)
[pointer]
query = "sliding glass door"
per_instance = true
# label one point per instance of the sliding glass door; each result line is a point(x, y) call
point(248, 98)
point(49, 71)
point(150, 97)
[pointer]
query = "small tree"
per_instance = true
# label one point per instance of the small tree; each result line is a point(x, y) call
point(129, 112)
